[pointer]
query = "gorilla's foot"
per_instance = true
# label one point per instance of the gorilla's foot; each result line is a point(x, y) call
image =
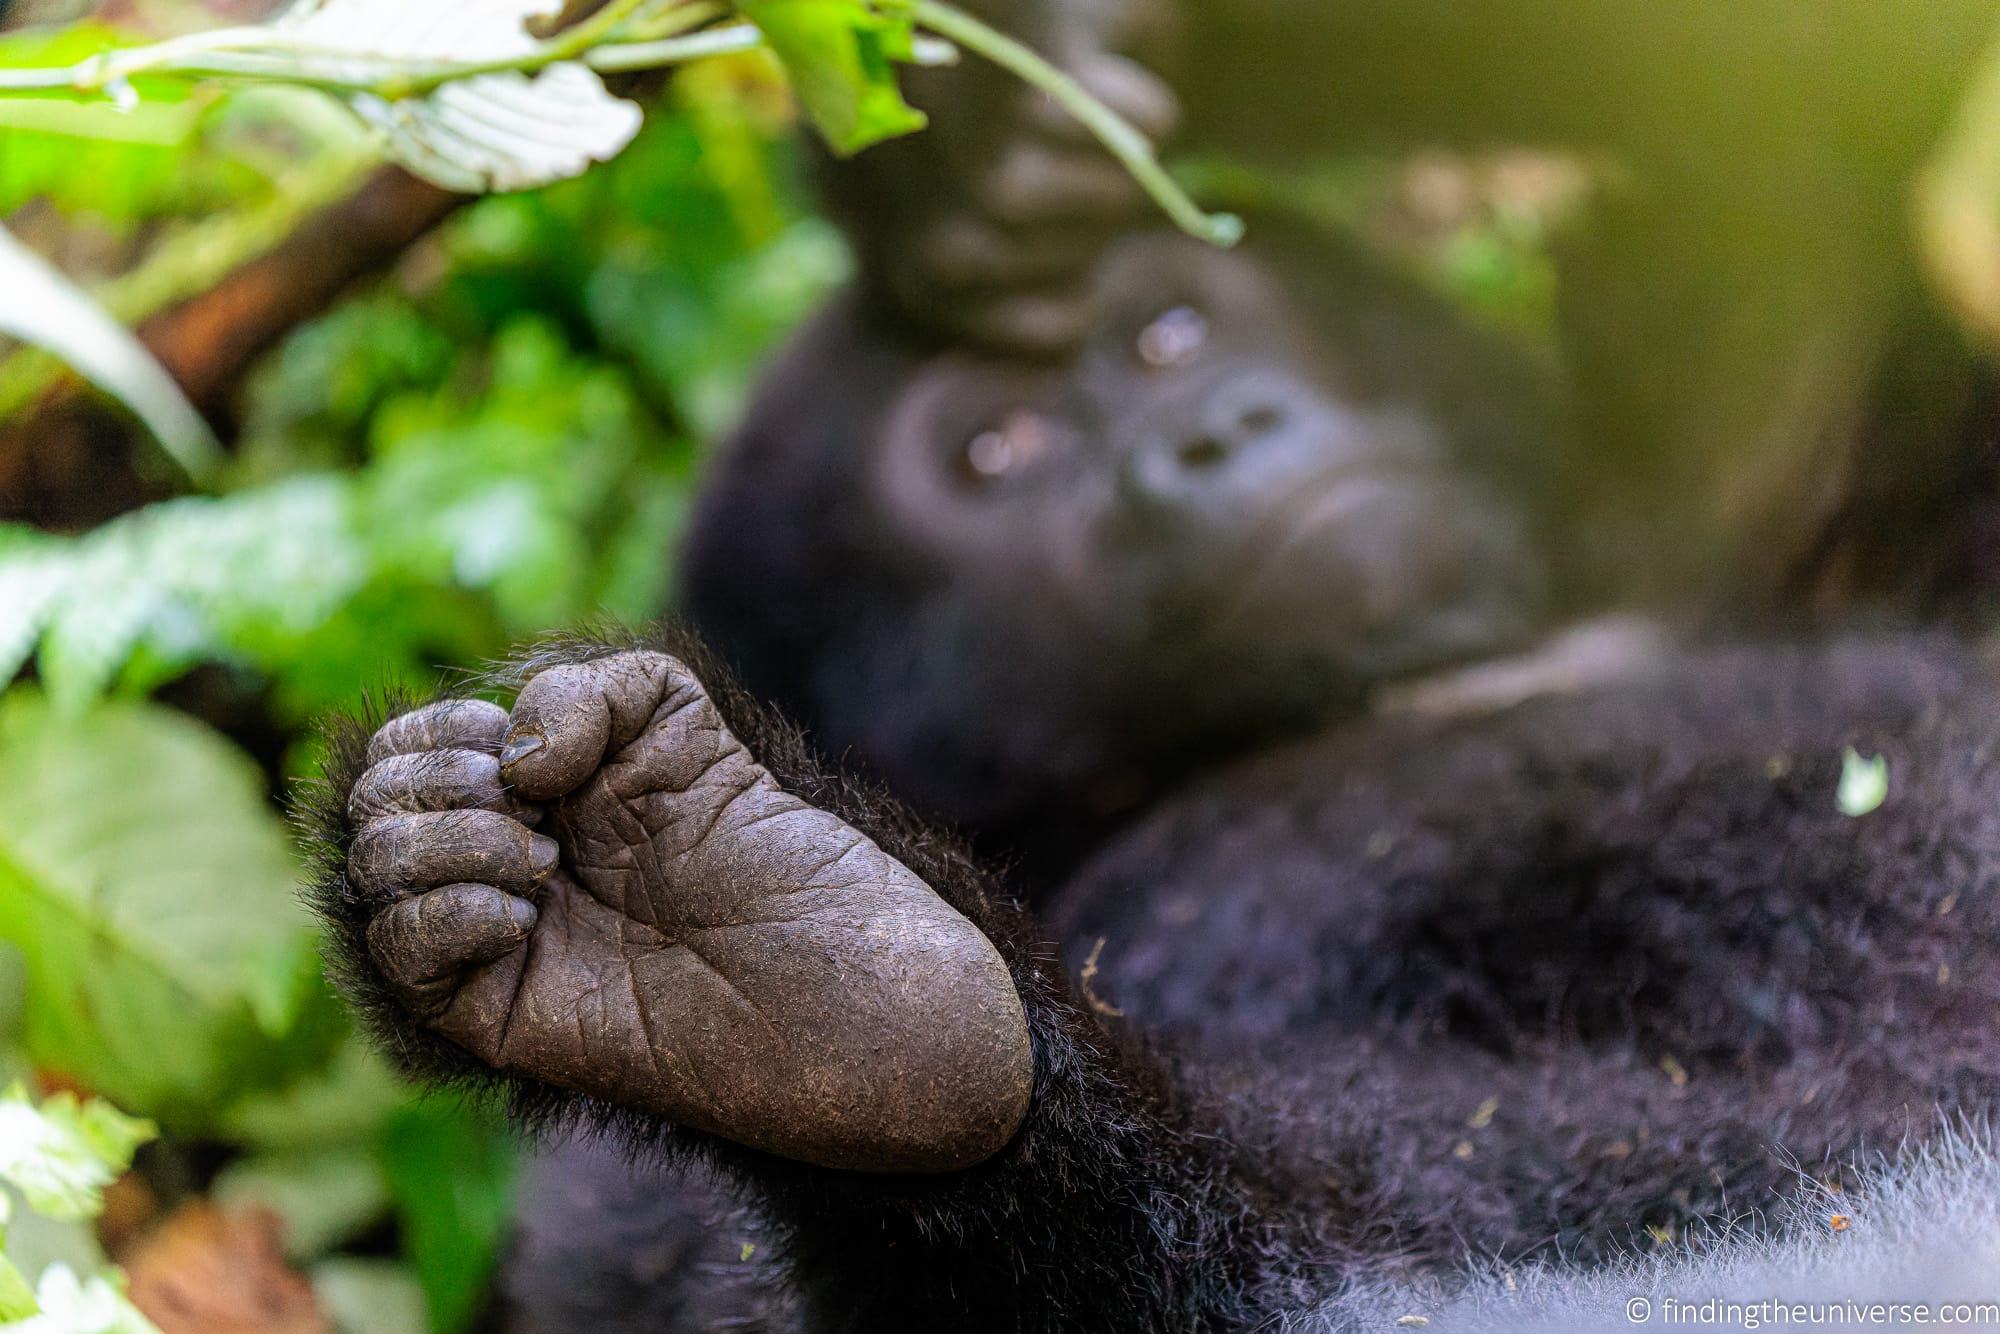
point(687, 939)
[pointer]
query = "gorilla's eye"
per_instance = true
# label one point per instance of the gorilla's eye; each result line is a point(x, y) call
point(1017, 443)
point(1173, 338)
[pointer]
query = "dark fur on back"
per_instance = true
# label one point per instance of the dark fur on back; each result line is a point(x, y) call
point(1634, 920)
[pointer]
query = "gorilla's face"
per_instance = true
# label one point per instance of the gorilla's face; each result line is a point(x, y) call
point(1048, 587)
point(1202, 491)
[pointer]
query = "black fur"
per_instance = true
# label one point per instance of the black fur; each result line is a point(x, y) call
point(665, 1249)
point(1554, 982)
point(1038, 660)
point(1634, 918)
point(1108, 1131)
point(1547, 981)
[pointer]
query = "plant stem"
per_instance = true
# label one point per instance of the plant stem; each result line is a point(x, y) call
point(580, 37)
point(679, 19)
point(625, 56)
point(1131, 148)
point(271, 55)
point(571, 43)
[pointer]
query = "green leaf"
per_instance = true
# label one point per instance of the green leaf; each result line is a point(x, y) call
point(1864, 783)
point(840, 56)
point(369, 1296)
point(62, 1155)
point(110, 161)
point(150, 888)
point(17, 1299)
point(118, 167)
point(346, 1102)
point(43, 307)
point(325, 1197)
point(451, 1175)
point(110, 1134)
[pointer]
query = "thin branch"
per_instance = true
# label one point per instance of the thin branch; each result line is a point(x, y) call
point(273, 55)
point(1131, 148)
point(629, 56)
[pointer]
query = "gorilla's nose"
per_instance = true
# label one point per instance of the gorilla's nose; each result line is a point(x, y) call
point(1239, 427)
point(1240, 442)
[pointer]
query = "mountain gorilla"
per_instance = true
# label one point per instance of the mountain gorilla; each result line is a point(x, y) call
point(1053, 588)
point(1344, 1003)
point(1535, 981)
point(1456, 980)
point(1156, 505)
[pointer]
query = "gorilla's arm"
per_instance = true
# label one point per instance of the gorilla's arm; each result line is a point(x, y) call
point(982, 229)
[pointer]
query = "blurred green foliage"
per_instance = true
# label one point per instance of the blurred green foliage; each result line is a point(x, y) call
point(143, 981)
point(1479, 229)
point(494, 440)
point(56, 1159)
point(461, 457)
point(135, 166)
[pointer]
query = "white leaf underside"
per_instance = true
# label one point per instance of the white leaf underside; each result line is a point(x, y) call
point(506, 131)
point(502, 131)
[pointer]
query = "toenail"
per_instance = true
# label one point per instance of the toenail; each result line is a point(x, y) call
point(519, 748)
point(522, 914)
point(543, 853)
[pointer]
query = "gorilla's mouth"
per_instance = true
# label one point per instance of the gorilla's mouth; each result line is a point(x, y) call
point(1383, 567)
point(1317, 520)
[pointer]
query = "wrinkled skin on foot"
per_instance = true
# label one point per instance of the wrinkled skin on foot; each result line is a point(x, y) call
point(683, 937)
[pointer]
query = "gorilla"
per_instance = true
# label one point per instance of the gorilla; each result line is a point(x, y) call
point(1542, 958)
point(1157, 506)
point(1503, 983)
point(1252, 996)
point(1771, 402)
point(1051, 589)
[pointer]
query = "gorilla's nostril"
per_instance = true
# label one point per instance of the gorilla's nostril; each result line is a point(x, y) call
point(1204, 451)
point(1261, 420)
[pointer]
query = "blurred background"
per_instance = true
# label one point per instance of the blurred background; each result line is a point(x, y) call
point(394, 375)
point(545, 365)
